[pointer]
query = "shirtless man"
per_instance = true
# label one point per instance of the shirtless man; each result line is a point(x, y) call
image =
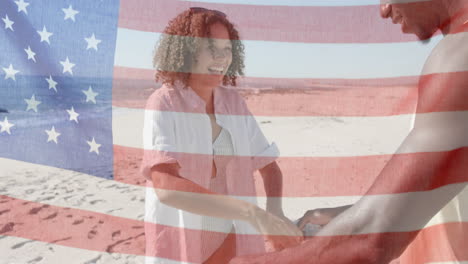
point(429, 168)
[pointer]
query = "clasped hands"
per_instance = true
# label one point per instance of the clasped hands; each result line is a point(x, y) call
point(280, 233)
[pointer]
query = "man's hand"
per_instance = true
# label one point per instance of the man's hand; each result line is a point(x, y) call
point(320, 216)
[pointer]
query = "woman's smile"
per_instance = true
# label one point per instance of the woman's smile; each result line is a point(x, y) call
point(217, 69)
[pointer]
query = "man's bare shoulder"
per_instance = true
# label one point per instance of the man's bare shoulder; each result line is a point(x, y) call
point(450, 55)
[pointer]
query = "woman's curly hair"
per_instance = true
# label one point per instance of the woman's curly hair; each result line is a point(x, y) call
point(177, 48)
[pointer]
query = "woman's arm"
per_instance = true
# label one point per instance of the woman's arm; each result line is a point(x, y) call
point(273, 184)
point(183, 194)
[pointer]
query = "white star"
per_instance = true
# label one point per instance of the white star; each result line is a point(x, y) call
point(73, 115)
point(90, 95)
point(6, 126)
point(30, 53)
point(45, 35)
point(32, 103)
point(70, 13)
point(22, 6)
point(10, 73)
point(53, 135)
point(52, 83)
point(93, 146)
point(92, 42)
point(8, 23)
point(67, 66)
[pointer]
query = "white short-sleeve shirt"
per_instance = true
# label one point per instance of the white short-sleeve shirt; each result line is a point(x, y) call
point(178, 130)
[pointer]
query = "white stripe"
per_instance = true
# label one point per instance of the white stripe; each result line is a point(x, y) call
point(438, 62)
point(124, 200)
point(134, 49)
point(71, 189)
point(314, 136)
point(16, 250)
point(402, 212)
point(304, 2)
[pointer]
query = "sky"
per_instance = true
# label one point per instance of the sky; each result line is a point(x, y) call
point(296, 2)
point(305, 2)
point(299, 60)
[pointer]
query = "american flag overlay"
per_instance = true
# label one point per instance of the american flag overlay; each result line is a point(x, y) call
point(57, 87)
point(337, 89)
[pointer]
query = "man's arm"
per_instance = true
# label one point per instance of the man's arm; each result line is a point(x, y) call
point(427, 171)
point(429, 168)
point(411, 189)
point(183, 194)
point(361, 233)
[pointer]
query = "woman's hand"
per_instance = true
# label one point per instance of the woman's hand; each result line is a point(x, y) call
point(280, 232)
point(280, 214)
point(320, 216)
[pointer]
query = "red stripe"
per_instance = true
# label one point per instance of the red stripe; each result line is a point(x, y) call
point(342, 24)
point(291, 97)
point(70, 227)
point(99, 232)
point(437, 92)
point(443, 92)
point(330, 176)
point(439, 243)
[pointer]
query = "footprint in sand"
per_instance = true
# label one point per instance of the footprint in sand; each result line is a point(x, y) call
point(50, 216)
point(36, 260)
point(4, 211)
point(7, 228)
point(37, 209)
point(77, 222)
point(116, 233)
point(21, 244)
point(92, 234)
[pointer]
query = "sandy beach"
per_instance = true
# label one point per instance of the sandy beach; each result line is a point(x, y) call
point(42, 196)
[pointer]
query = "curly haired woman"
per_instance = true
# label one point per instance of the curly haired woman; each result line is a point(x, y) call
point(202, 146)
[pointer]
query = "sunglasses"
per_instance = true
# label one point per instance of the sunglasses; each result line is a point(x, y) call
point(201, 9)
